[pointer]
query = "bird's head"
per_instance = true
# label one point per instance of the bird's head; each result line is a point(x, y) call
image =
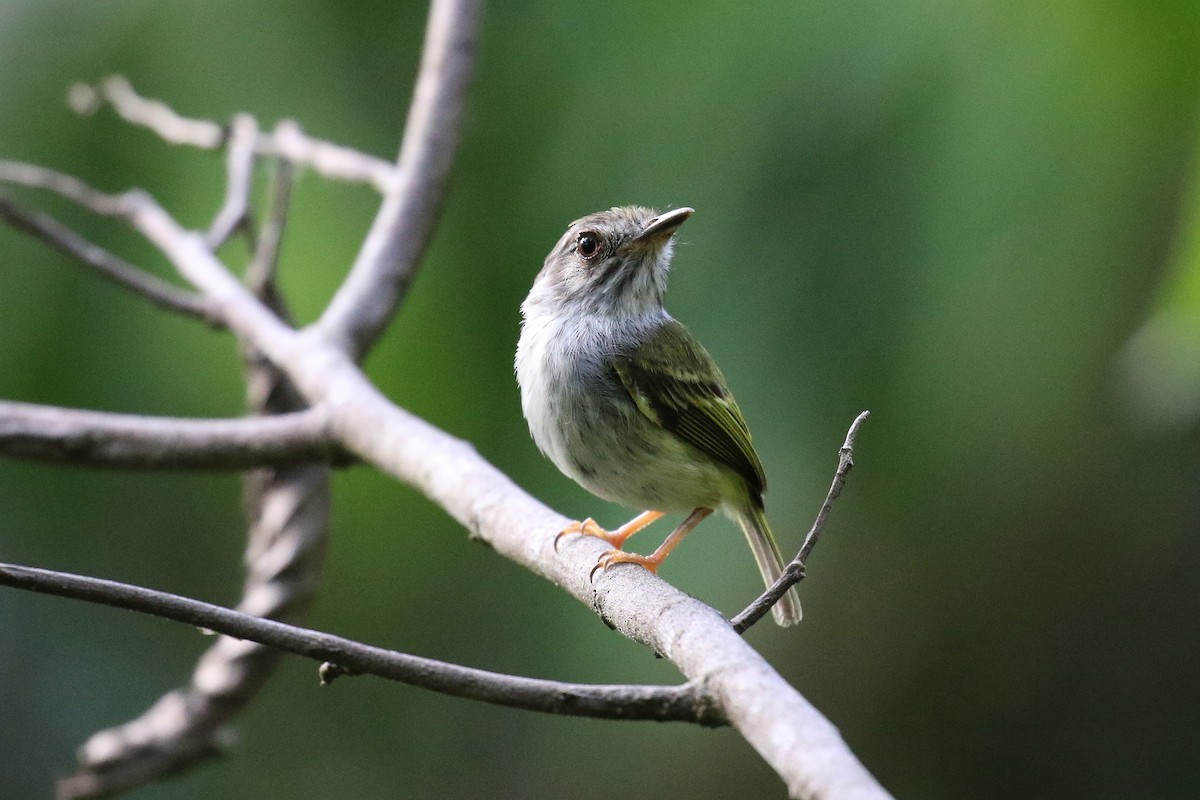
point(613, 262)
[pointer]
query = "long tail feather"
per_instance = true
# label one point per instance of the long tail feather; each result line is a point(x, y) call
point(770, 562)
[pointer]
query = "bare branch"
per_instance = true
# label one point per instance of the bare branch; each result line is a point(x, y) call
point(128, 441)
point(387, 262)
point(284, 559)
point(152, 114)
point(665, 703)
point(288, 141)
point(163, 294)
point(127, 775)
point(68, 186)
point(793, 573)
point(330, 160)
point(187, 250)
point(260, 273)
point(239, 166)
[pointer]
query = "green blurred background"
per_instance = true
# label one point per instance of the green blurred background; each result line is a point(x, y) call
point(975, 219)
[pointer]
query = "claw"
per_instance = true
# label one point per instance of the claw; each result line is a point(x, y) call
point(592, 574)
point(588, 527)
point(606, 560)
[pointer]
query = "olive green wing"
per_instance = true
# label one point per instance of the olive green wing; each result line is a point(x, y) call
point(677, 385)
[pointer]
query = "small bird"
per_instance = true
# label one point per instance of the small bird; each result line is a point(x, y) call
point(624, 399)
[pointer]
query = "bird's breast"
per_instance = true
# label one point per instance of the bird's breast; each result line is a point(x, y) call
point(583, 419)
point(566, 385)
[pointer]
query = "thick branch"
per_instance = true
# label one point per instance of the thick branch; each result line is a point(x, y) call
point(385, 265)
point(793, 573)
point(96, 438)
point(666, 703)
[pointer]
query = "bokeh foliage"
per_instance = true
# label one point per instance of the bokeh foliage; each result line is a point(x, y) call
point(978, 220)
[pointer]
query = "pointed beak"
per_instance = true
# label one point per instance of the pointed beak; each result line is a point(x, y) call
point(661, 227)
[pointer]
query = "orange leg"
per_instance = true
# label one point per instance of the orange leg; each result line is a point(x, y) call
point(652, 561)
point(616, 538)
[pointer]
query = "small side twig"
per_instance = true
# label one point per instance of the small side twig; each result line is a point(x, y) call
point(239, 166)
point(142, 283)
point(155, 115)
point(793, 573)
point(333, 161)
point(264, 263)
point(688, 702)
point(287, 141)
point(68, 186)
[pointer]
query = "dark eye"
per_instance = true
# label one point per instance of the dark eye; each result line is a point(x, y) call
point(587, 245)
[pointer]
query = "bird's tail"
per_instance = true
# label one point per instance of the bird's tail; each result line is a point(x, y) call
point(770, 562)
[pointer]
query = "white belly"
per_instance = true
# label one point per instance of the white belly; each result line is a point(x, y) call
point(583, 420)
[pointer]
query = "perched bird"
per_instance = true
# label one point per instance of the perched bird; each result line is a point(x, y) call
point(624, 400)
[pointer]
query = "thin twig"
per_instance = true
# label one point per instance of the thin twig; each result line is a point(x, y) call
point(687, 702)
point(142, 283)
point(187, 249)
point(287, 141)
point(152, 114)
point(68, 186)
point(129, 441)
point(793, 573)
point(333, 161)
point(388, 259)
point(260, 272)
point(239, 168)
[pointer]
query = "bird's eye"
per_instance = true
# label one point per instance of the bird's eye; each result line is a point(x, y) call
point(587, 245)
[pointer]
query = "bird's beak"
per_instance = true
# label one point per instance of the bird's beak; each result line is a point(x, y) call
point(661, 227)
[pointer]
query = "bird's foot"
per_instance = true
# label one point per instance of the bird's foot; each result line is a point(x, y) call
point(616, 538)
point(606, 560)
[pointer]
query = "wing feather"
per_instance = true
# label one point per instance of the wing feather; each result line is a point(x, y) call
point(676, 384)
